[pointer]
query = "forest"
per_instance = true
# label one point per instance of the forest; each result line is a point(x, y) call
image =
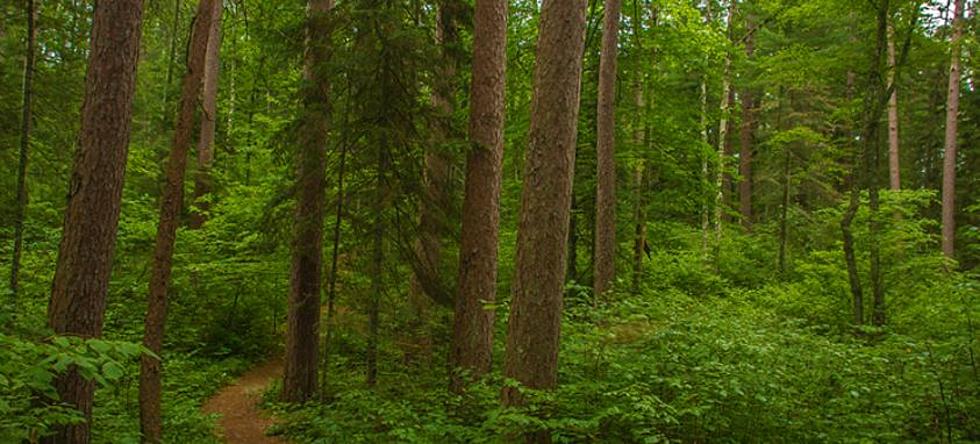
point(482, 221)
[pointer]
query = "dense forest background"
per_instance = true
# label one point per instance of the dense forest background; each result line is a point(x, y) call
point(774, 278)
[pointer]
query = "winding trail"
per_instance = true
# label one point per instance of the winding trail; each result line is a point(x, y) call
point(241, 419)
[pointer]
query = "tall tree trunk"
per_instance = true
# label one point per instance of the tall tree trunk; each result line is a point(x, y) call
point(473, 323)
point(723, 127)
point(209, 116)
point(949, 151)
point(705, 217)
point(436, 200)
point(535, 317)
point(81, 280)
point(25, 144)
point(334, 256)
point(877, 90)
point(605, 237)
point(747, 135)
point(302, 333)
point(151, 423)
point(639, 225)
point(894, 165)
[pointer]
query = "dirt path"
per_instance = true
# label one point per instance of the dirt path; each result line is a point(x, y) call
point(241, 419)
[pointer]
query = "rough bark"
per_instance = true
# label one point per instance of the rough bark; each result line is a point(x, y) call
point(535, 317)
point(747, 136)
point(151, 422)
point(473, 323)
point(877, 90)
point(605, 236)
point(25, 144)
point(949, 151)
point(894, 165)
point(303, 317)
point(78, 295)
point(209, 108)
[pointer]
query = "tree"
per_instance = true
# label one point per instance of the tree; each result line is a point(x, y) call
point(25, 145)
point(209, 116)
point(81, 280)
point(723, 126)
point(302, 331)
point(472, 346)
point(894, 165)
point(170, 203)
point(949, 152)
point(747, 133)
point(535, 316)
point(605, 234)
point(436, 203)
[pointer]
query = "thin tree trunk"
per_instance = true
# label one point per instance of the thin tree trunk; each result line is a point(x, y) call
point(334, 256)
point(303, 317)
point(535, 317)
point(81, 280)
point(150, 384)
point(949, 151)
point(209, 116)
point(605, 237)
point(705, 218)
point(25, 144)
point(472, 345)
point(726, 97)
point(873, 152)
point(894, 165)
point(639, 170)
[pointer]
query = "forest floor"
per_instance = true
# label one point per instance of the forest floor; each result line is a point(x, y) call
point(241, 420)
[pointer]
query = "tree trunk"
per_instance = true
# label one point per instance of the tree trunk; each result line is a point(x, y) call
point(949, 152)
point(436, 200)
point(303, 317)
point(747, 136)
point(535, 317)
point(209, 116)
point(81, 280)
point(723, 127)
point(705, 217)
point(894, 165)
point(170, 202)
point(25, 144)
point(473, 323)
point(605, 237)
point(639, 226)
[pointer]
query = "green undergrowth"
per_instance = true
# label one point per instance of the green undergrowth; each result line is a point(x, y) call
point(698, 360)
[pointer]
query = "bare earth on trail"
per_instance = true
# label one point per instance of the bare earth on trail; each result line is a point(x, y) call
point(241, 419)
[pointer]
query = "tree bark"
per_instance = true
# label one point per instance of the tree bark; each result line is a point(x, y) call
point(894, 165)
point(303, 317)
point(535, 317)
point(472, 345)
point(747, 136)
point(25, 145)
point(150, 385)
point(605, 237)
point(81, 280)
point(209, 116)
point(949, 151)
